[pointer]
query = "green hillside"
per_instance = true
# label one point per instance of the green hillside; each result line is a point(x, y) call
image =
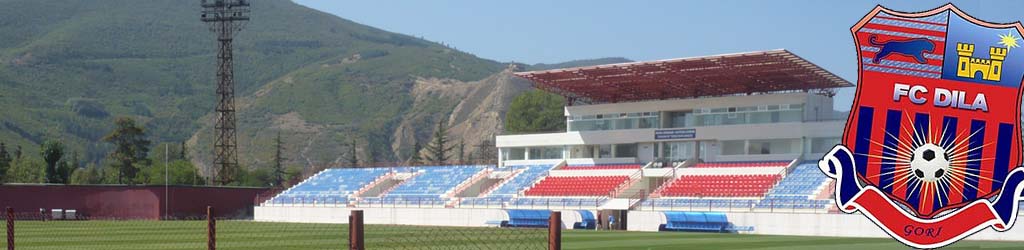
point(68, 68)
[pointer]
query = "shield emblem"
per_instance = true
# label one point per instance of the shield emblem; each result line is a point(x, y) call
point(935, 124)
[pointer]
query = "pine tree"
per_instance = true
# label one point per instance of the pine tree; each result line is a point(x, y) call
point(69, 167)
point(5, 161)
point(278, 161)
point(52, 151)
point(461, 152)
point(17, 153)
point(183, 155)
point(130, 149)
point(486, 151)
point(416, 148)
point(438, 150)
point(352, 159)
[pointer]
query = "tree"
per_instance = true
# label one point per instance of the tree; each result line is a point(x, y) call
point(52, 151)
point(352, 159)
point(25, 170)
point(260, 177)
point(5, 161)
point(438, 151)
point(130, 149)
point(278, 170)
point(179, 172)
point(183, 154)
point(369, 154)
point(87, 175)
point(461, 151)
point(535, 111)
point(486, 151)
point(17, 152)
point(416, 158)
point(67, 168)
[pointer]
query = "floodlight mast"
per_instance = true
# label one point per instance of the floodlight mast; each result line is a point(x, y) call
point(225, 17)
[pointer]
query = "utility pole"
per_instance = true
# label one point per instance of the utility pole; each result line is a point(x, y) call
point(225, 17)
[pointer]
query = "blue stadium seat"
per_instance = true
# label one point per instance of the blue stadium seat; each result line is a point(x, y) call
point(521, 181)
point(431, 182)
point(794, 191)
point(329, 186)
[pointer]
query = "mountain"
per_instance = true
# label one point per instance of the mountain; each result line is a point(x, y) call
point(578, 63)
point(69, 68)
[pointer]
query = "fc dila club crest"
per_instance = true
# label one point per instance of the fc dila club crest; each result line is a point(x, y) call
point(932, 148)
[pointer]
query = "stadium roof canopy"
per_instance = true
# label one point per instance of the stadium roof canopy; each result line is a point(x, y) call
point(719, 75)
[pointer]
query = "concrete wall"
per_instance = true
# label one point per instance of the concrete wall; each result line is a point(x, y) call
point(459, 217)
point(141, 202)
point(596, 172)
point(722, 132)
point(833, 225)
point(731, 171)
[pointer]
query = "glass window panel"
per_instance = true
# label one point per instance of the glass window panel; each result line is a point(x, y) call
point(581, 151)
point(733, 147)
point(515, 154)
point(625, 150)
point(605, 151)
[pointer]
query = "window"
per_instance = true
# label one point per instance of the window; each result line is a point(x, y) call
point(625, 150)
point(773, 146)
point(678, 151)
point(581, 151)
point(515, 154)
point(679, 119)
point(735, 147)
point(605, 151)
point(614, 121)
point(823, 144)
point(545, 153)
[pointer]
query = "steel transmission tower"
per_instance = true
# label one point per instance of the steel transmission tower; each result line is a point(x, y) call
point(225, 17)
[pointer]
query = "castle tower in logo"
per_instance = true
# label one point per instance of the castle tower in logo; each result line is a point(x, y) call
point(969, 66)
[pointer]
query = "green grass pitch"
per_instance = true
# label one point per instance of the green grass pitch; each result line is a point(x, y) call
point(262, 235)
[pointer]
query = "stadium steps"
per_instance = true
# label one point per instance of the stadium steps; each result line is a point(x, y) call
point(467, 185)
point(380, 180)
point(630, 188)
point(513, 175)
point(666, 180)
point(825, 192)
point(561, 164)
point(397, 183)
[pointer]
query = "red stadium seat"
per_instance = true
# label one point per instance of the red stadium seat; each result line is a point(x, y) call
point(721, 185)
point(576, 186)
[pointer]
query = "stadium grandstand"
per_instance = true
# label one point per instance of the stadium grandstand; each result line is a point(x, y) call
point(711, 143)
point(704, 133)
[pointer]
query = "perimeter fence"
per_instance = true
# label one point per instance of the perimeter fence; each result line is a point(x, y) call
point(69, 230)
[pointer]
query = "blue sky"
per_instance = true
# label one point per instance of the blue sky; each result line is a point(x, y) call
point(537, 31)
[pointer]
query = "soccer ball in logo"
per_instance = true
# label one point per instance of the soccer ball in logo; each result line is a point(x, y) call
point(929, 163)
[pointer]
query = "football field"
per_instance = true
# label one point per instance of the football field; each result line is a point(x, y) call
point(262, 235)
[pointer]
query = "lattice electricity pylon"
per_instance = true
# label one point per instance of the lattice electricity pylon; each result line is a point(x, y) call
point(225, 17)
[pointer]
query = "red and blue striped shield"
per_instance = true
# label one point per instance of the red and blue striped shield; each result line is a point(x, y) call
point(934, 132)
